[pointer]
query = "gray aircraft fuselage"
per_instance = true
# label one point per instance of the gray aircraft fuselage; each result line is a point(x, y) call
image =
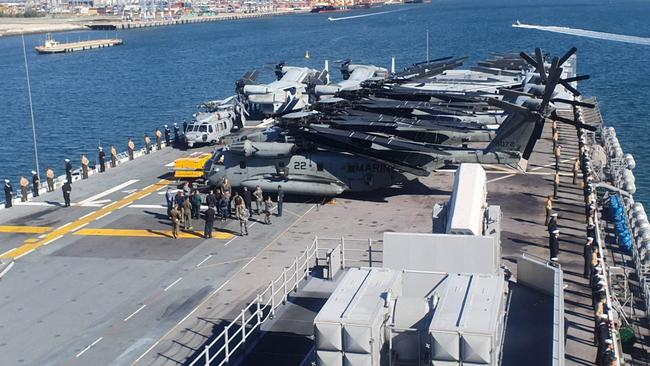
point(320, 173)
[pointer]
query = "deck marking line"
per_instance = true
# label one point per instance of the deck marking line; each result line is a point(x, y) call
point(53, 239)
point(203, 261)
point(86, 215)
point(104, 215)
point(107, 192)
point(223, 285)
point(89, 347)
point(173, 283)
point(79, 227)
point(7, 252)
point(135, 312)
point(24, 254)
point(24, 229)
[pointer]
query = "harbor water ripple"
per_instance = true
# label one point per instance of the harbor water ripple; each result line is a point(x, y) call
point(102, 97)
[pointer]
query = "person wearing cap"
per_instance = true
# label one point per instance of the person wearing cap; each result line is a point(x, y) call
point(24, 188)
point(549, 209)
point(131, 147)
point(176, 133)
point(49, 174)
point(556, 184)
point(36, 182)
point(9, 194)
point(113, 156)
point(168, 134)
point(68, 171)
point(588, 256)
point(557, 152)
point(66, 189)
point(147, 144)
point(84, 166)
point(576, 170)
point(102, 160)
point(158, 139)
point(554, 244)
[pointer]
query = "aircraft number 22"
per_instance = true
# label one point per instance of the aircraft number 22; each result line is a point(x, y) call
point(300, 165)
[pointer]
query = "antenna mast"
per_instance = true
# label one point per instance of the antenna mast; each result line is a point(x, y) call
point(31, 107)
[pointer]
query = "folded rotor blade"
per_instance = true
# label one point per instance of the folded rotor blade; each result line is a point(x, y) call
point(515, 93)
point(553, 77)
point(568, 86)
point(541, 69)
point(555, 117)
point(576, 78)
point(574, 103)
point(528, 59)
point(508, 107)
point(567, 55)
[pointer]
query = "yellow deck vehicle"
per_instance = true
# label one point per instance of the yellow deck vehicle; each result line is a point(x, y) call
point(192, 167)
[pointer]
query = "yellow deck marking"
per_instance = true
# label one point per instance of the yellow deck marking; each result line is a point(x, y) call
point(150, 233)
point(25, 229)
point(57, 233)
point(31, 240)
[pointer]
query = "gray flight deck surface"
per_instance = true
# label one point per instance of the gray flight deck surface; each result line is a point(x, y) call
point(100, 300)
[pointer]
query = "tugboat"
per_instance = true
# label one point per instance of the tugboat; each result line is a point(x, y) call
point(328, 9)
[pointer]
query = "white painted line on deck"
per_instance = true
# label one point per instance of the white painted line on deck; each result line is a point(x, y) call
point(135, 312)
point(7, 252)
point(145, 352)
point(80, 226)
point(89, 347)
point(53, 239)
point(108, 191)
point(173, 283)
point(86, 215)
point(149, 206)
point(104, 215)
point(62, 226)
point(203, 261)
point(42, 236)
point(24, 254)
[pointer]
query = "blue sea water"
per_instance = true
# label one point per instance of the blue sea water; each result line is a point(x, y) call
point(102, 97)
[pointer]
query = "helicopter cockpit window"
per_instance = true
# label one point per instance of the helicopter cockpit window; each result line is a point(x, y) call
point(210, 129)
point(203, 128)
point(219, 159)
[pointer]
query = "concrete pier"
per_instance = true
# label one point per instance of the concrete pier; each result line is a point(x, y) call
point(200, 19)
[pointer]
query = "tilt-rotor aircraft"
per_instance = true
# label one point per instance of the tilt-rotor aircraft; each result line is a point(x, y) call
point(326, 161)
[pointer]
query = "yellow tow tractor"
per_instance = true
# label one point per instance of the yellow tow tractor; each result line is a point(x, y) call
point(192, 167)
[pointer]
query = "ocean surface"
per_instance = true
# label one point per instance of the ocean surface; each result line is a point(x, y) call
point(102, 97)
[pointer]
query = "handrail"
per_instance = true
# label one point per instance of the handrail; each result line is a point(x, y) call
point(224, 346)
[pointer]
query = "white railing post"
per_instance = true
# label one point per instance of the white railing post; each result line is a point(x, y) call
point(272, 298)
point(207, 355)
point(295, 275)
point(226, 344)
point(342, 252)
point(259, 310)
point(243, 325)
point(369, 252)
point(284, 285)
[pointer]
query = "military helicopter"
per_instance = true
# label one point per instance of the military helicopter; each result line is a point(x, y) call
point(325, 161)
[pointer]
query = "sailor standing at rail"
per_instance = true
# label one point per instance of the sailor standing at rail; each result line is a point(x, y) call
point(24, 187)
point(588, 256)
point(549, 209)
point(36, 182)
point(113, 156)
point(49, 174)
point(168, 134)
point(556, 184)
point(131, 147)
point(9, 194)
point(147, 144)
point(554, 244)
point(68, 171)
point(576, 170)
point(102, 160)
point(158, 139)
point(84, 166)
point(558, 153)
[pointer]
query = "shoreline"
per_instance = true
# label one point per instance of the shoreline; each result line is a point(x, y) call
point(10, 27)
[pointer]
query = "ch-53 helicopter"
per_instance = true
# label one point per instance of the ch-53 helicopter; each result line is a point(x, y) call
point(328, 161)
